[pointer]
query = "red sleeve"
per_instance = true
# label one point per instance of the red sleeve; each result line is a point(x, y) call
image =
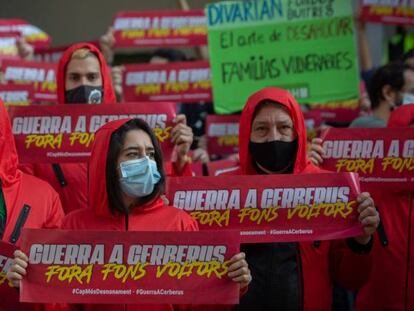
point(171, 169)
point(350, 263)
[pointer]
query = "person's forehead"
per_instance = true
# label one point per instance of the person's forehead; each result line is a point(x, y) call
point(137, 137)
point(272, 113)
point(87, 64)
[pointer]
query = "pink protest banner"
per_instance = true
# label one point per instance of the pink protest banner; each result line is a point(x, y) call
point(32, 34)
point(272, 208)
point(160, 28)
point(338, 111)
point(215, 168)
point(16, 95)
point(65, 133)
point(397, 12)
point(8, 294)
point(8, 48)
point(41, 76)
point(129, 267)
point(382, 157)
point(53, 54)
point(178, 82)
point(222, 134)
point(49, 54)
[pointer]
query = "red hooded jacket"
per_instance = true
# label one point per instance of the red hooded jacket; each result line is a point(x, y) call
point(70, 179)
point(154, 216)
point(391, 285)
point(319, 263)
point(30, 202)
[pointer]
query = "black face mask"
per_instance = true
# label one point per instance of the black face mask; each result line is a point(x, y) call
point(275, 156)
point(84, 94)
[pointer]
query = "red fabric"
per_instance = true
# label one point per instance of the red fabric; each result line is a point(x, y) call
point(74, 194)
point(154, 216)
point(402, 116)
point(20, 189)
point(332, 260)
point(391, 286)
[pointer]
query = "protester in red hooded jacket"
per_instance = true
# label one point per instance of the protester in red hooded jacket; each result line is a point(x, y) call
point(294, 276)
point(126, 180)
point(84, 77)
point(391, 285)
point(25, 200)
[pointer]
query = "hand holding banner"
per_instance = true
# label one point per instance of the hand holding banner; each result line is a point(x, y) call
point(272, 208)
point(9, 294)
point(146, 267)
point(65, 133)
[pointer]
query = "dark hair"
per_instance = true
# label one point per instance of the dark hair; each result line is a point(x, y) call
point(113, 188)
point(171, 54)
point(391, 74)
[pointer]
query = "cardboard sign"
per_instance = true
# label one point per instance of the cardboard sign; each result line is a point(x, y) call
point(115, 267)
point(9, 295)
point(41, 76)
point(222, 134)
point(395, 12)
point(8, 48)
point(302, 46)
point(16, 95)
point(32, 34)
point(65, 133)
point(178, 82)
point(272, 208)
point(160, 28)
point(382, 157)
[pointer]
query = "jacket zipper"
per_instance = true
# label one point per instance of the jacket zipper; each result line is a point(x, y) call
point(59, 174)
point(300, 277)
point(21, 220)
point(408, 253)
point(381, 231)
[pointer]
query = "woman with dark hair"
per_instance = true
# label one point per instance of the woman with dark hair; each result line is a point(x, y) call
point(126, 181)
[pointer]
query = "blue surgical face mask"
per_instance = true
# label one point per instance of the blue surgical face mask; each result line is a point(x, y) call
point(138, 177)
point(407, 98)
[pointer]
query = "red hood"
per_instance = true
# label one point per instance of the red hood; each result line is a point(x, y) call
point(98, 198)
point(402, 117)
point(9, 162)
point(286, 99)
point(109, 94)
